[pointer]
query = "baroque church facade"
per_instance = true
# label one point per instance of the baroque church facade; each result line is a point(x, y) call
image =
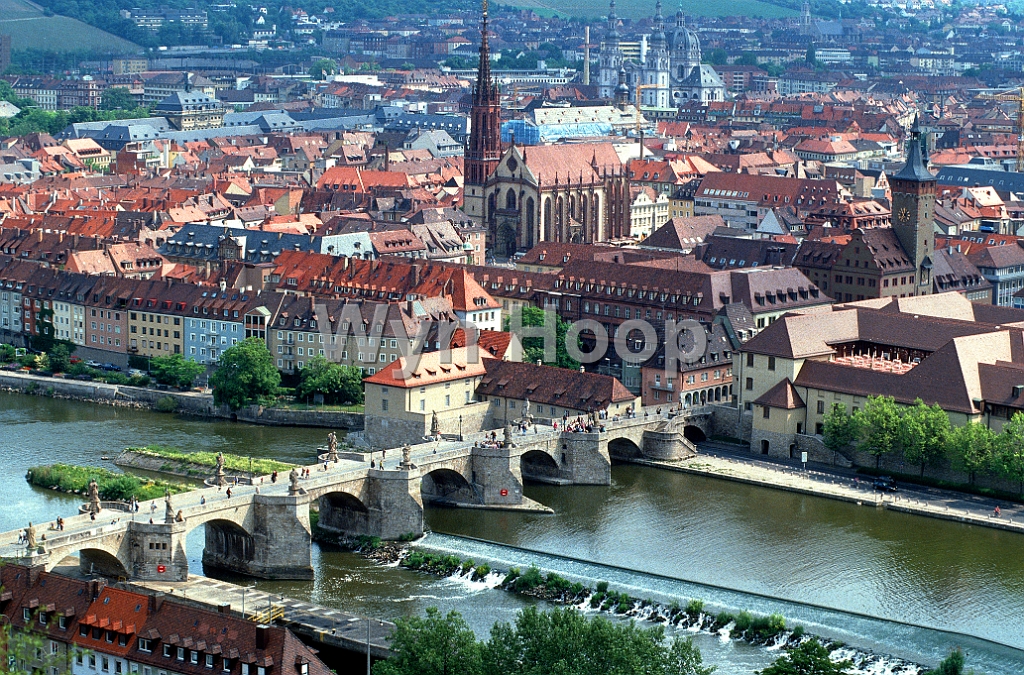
point(669, 67)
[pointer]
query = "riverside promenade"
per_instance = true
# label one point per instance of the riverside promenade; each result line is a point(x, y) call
point(733, 463)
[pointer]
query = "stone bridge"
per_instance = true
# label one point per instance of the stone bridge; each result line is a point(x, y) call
point(264, 530)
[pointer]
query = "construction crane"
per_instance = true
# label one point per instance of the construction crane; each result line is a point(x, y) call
point(1015, 95)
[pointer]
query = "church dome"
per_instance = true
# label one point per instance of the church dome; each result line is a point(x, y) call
point(685, 40)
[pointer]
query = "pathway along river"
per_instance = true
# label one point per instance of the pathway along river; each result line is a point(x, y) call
point(645, 532)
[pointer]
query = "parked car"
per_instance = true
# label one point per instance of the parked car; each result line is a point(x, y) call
point(84, 377)
point(110, 367)
point(884, 484)
point(135, 372)
point(93, 364)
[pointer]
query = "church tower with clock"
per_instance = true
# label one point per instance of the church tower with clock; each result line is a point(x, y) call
point(913, 211)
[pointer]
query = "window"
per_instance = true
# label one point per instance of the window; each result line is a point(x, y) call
point(750, 360)
point(771, 363)
point(209, 660)
point(145, 645)
point(193, 656)
point(767, 412)
point(821, 407)
point(750, 384)
point(181, 653)
point(167, 651)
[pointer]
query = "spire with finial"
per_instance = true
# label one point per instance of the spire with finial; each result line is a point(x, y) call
point(613, 24)
point(916, 168)
point(485, 88)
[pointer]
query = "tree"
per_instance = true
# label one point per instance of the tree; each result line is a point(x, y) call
point(533, 347)
point(322, 69)
point(718, 57)
point(432, 645)
point(924, 433)
point(879, 423)
point(337, 383)
point(840, 429)
point(810, 658)
point(811, 57)
point(972, 446)
point(7, 353)
point(117, 98)
point(746, 59)
point(951, 665)
point(246, 375)
point(1009, 455)
point(25, 650)
point(59, 358)
point(175, 370)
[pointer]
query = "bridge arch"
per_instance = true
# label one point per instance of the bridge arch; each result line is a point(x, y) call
point(539, 466)
point(343, 513)
point(94, 560)
point(694, 433)
point(228, 545)
point(446, 485)
point(624, 448)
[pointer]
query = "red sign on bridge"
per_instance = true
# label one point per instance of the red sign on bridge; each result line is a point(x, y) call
point(161, 569)
point(504, 492)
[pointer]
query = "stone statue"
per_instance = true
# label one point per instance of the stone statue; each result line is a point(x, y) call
point(30, 535)
point(220, 469)
point(508, 435)
point(435, 424)
point(168, 508)
point(293, 480)
point(526, 409)
point(94, 496)
point(406, 456)
point(332, 447)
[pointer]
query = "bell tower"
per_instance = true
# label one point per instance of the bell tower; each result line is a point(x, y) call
point(913, 211)
point(483, 149)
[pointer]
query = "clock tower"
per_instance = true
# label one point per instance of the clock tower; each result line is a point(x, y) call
point(913, 211)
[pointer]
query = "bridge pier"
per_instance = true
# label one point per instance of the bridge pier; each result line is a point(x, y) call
point(496, 471)
point(280, 541)
point(395, 506)
point(152, 547)
point(585, 459)
point(666, 446)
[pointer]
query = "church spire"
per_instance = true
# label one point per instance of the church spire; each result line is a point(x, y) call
point(613, 24)
point(485, 90)
point(916, 168)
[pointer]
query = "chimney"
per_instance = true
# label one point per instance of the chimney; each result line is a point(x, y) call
point(156, 601)
point(262, 636)
point(33, 575)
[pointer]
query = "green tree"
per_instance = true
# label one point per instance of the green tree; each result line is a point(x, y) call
point(117, 98)
point(7, 353)
point(322, 69)
point(840, 429)
point(810, 658)
point(746, 59)
point(59, 358)
point(718, 57)
point(951, 665)
point(175, 370)
point(432, 645)
point(1009, 455)
point(533, 347)
point(879, 423)
point(811, 57)
point(246, 375)
point(924, 433)
point(337, 383)
point(971, 447)
point(566, 641)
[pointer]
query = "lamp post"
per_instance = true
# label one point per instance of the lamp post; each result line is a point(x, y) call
point(460, 429)
point(244, 589)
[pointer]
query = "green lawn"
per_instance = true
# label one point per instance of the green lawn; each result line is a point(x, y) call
point(636, 9)
point(31, 29)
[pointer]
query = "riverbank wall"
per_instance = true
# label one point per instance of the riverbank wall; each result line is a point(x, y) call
point(185, 402)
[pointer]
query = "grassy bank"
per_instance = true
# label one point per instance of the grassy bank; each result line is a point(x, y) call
point(237, 463)
point(112, 486)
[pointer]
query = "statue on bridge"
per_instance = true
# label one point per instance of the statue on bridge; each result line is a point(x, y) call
point(168, 508)
point(435, 425)
point(30, 536)
point(406, 457)
point(332, 447)
point(219, 475)
point(94, 496)
point(508, 435)
point(293, 483)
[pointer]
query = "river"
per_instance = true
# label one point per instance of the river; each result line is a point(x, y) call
point(819, 561)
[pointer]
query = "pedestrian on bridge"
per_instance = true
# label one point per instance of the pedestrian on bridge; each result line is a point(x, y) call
point(202, 500)
point(229, 493)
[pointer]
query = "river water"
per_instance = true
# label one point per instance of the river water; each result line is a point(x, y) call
point(665, 535)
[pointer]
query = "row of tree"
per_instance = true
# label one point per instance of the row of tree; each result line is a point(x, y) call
point(117, 103)
point(924, 437)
